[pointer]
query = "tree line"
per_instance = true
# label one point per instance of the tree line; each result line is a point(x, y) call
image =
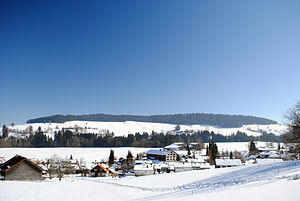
point(67, 138)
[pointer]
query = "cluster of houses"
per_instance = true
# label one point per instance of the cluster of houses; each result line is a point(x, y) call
point(175, 158)
point(172, 158)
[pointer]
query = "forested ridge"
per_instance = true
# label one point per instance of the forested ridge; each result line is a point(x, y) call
point(221, 120)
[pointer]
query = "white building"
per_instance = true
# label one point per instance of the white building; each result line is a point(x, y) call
point(221, 163)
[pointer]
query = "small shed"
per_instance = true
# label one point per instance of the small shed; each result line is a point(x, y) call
point(21, 168)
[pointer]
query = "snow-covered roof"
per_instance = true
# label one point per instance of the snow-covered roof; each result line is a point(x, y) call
point(182, 165)
point(268, 160)
point(143, 167)
point(274, 155)
point(196, 160)
point(157, 152)
point(265, 153)
point(228, 162)
point(181, 152)
point(174, 145)
point(178, 143)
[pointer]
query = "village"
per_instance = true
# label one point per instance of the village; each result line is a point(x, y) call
point(177, 157)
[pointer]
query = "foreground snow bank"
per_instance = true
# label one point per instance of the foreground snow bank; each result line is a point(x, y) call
point(256, 182)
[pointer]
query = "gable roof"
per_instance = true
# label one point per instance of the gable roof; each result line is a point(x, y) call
point(11, 162)
point(103, 167)
point(158, 152)
point(16, 161)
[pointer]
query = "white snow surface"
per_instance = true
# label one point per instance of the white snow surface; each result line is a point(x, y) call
point(86, 154)
point(132, 127)
point(275, 182)
point(91, 154)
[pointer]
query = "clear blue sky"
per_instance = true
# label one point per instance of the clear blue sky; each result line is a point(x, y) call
point(148, 57)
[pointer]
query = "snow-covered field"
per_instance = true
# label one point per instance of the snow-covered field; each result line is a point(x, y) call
point(100, 153)
point(132, 127)
point(86, 154)
point(250, 182)
point(275, 182)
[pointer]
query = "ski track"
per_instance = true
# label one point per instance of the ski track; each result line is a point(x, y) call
point(239, 176)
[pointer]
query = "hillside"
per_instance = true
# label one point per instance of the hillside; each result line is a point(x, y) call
point(131, 127)
point(220, 120)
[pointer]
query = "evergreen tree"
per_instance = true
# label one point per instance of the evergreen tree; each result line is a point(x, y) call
point(213, 151)
point(129, 158)
point(188, 150)
point(206, 150)
point(278, 147)
point(4, 131)
point(111, 158)
point(252, 147)
point(39, 139)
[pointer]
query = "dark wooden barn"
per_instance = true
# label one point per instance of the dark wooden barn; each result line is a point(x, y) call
point(20, 168)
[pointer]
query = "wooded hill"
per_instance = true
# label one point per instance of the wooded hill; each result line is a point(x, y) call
point(221, 120)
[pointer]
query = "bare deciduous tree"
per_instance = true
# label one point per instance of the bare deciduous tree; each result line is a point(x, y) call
point(292, 139)
point(54, 167)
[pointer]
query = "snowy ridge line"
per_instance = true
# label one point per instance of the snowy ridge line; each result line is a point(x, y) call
point(242, 176)
point(132, 127)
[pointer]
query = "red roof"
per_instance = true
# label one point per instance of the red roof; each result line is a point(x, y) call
point(103, 168)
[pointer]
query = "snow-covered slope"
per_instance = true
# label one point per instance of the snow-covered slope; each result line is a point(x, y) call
point(131, 127)
point(274, 182)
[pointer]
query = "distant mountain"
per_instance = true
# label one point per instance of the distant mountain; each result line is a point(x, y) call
point(222, 120)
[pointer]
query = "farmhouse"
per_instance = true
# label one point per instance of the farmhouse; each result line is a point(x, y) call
point(101, 170)
point(21, 168)
point(162, 155)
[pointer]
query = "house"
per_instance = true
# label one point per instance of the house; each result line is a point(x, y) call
point(221, 163)
point(143, 169)
point(101, 170)
point(21, 168)
point(162, 155)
